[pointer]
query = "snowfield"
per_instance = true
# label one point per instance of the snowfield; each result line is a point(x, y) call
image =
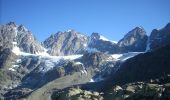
point(49, 62)
point(105, 39)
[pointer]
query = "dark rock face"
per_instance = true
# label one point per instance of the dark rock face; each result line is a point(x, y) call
point(5, 57)
point(145, 66)
point(104, 46)
point(27, 42)
point(12, 35)
point(65, 43)
point(93, 59)
point(134, 41)
point(159, 38)
point(7, 35)
point(71, 67)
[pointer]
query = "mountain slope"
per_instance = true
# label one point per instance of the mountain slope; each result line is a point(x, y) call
point(159, 38)
point(101, 44)
point(145, 76)
point(28, 70)
point(66, 43)
point(134, 41)
point(12, 35)
point(144, 67)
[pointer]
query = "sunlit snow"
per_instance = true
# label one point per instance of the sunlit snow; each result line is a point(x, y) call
point(78, 63)
point(16, 50)
point(116, 56)
point(105, 39)
point(91, 80)
point(148, 46)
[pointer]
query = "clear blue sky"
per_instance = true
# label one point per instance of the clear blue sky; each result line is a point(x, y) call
point(111, 18)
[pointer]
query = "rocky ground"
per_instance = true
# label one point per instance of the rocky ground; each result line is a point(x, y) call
point(131, 91)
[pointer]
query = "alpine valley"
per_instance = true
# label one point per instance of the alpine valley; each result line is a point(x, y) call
point(72, 66)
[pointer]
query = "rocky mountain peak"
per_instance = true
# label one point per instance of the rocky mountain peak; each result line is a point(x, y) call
point(14, 36)
point(159, 38)
point(137, 31)
point(95, 36)
point(22, 28)
point(134, 40)
point(139, 28)
point(70, 30)
point(66, 43)
point(99, 43)
point(12, 24)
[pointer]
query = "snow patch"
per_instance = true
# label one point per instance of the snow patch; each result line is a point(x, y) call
point(15, 66)
point(123, 56)
point(14, 43)
point(129, 55)
point(69, 30)
point(148, 45)
point(98, 79)
point(84, 72)
point(43, 53)
point(48, 65)
point(16, 50)
point(52, 61)
point(103, 38)
point(71, 57)
point(91, 80)
point(49, 62)
point(116, 56)
point(18, 60)
point(85, 45)
point(11, 69)
point(16, 31)
point(115, 42)
point(78, 63)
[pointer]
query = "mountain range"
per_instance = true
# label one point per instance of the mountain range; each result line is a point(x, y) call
point(71, 65)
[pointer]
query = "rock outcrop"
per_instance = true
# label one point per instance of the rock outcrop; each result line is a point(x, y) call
point(134, 41)
point(12, 35)
point(101, 44)
point(66, 43)
point(159, 38)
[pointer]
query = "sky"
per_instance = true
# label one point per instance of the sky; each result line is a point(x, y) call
point(111, 18)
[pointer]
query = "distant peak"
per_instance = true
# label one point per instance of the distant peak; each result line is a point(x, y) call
point(95, 35)
point(70, 30)
point(139, 27)
point(11, 23)
point(22, 28)
point(155, 30)
point(136, 31)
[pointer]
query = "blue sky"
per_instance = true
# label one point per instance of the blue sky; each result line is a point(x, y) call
point(111, 18)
